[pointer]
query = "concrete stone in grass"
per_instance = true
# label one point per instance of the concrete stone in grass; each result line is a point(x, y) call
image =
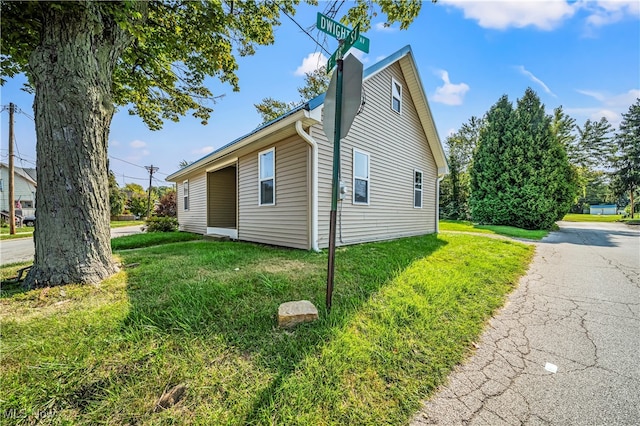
point(291, 314)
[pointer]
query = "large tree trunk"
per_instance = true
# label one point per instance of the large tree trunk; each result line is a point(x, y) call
point(72, 74)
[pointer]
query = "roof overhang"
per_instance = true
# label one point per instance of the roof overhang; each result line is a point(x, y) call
point(262, 137)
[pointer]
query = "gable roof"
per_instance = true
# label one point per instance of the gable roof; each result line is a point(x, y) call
point(407, 63)
point(27, 174)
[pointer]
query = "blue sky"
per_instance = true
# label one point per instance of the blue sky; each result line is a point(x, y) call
point(583, 55)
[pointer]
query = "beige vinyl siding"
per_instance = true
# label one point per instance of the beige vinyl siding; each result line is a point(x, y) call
point(222, 199)
point(195, 219)
point(287, 222)
point(397, 146)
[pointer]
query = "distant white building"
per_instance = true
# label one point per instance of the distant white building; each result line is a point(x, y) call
point(603, 209)
point(24, 189)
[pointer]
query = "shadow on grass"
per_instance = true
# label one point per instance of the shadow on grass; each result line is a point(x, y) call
point(231, 292)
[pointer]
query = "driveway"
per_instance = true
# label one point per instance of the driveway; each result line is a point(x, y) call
point(565, 349)
point(22, 250)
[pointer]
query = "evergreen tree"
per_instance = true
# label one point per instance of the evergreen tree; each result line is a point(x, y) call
point(455, 190)
point(488, 176)
point(520, 175)
point(626, 160)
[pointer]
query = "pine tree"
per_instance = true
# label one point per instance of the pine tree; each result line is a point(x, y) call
point(520, 176)
point(488, 178)
point(626, 160)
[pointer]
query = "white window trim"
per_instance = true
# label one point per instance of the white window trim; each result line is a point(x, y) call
point(260, 179)
point(368, 178)
point(393, 85)
point(185, 195)
point(416, 189)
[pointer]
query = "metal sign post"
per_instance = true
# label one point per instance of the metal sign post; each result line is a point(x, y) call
point(337, 132)
point(335, 188)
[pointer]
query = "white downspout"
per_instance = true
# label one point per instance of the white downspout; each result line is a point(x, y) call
point(314, 184)
point(438, 180)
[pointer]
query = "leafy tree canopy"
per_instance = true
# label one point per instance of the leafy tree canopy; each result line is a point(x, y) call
point(315, 83)
point(172, 46)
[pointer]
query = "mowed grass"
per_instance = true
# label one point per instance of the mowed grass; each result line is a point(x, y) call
point(21, 232)
point(574, 217)
point(508, 231)
point(203, 314)
point(151, 239)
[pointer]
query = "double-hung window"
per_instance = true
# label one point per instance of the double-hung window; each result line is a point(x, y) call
point(267, 177)
point(185, 194)
point(396, 96)
point(417, 189)
point(360, 177)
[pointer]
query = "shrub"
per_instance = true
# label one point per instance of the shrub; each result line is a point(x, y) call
point(167, 205)
point(162, 224)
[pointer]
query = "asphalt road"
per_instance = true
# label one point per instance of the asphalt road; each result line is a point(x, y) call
point(22, 250)
point(565, 349)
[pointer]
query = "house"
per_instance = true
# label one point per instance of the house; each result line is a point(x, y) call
point(24, 189)
point(273, 185)
point(603, 209)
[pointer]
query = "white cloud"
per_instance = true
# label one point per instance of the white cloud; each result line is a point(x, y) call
point(358, 54)
point(535, 79)
point(449, 93)
point(114, 142)
point(604, 12)
point(312, 62)
point(500, 15)
point(137, 144)
point(610, 106)
point(203, 151)
point(621, 100)
point(383, 27)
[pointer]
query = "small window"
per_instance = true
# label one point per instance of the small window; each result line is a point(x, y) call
point(396, 96)
point(185, 194)
point(360, 177)
point(417, 189)
point(267, 180)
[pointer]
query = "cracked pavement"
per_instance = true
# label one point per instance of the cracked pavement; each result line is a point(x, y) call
point(565, 348)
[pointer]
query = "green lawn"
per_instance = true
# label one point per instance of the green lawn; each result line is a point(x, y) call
point(203, 314)
point(573, 217)
point(509, 231)
point(21, 232)
point(27, 231)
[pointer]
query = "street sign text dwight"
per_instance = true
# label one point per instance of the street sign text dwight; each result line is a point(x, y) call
point(340, 32)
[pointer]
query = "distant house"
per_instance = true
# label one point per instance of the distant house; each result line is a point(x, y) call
point(24, 189)
point(603, 209)
point(273, 185)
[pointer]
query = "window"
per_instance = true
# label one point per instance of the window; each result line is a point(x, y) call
point(267, 179)
point(185, 194)
point(396, 96)
point(417, 189)
point(360, 177)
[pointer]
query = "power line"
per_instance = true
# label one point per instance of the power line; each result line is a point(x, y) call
point(305, 31)
point(125, 161)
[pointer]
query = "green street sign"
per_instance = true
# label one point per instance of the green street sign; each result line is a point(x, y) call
point(339, 31)
point(347, 43)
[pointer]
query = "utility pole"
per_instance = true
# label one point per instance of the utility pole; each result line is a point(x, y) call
point(151, 170)
point(12, 206)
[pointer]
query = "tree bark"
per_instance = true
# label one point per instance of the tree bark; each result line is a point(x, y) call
point(71, 71)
